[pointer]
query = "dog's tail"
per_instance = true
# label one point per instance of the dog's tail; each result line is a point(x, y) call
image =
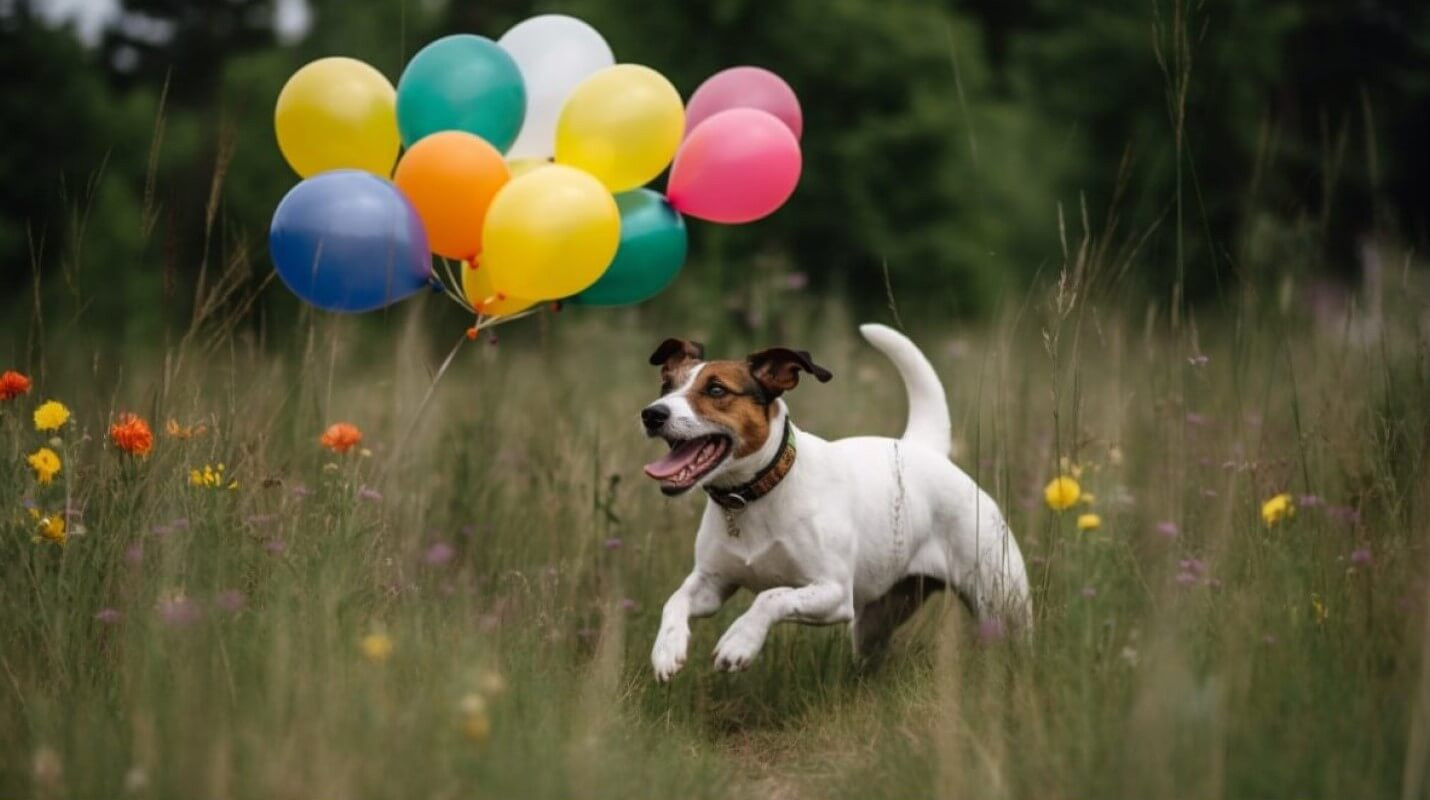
point(929, 424)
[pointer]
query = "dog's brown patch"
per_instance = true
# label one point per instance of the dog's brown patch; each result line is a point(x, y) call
point(727, 393)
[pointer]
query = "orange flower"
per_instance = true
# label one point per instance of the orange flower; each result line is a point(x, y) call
point(13, 384)
point(132, 435)
point(174, 429)
point(341, 437)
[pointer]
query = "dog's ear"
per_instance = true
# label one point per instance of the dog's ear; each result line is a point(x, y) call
point(673, 352)
point(777, 369)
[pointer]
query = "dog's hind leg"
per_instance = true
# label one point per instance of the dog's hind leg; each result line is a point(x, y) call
point(875, 623)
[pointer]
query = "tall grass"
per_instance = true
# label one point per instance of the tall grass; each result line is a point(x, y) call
point(198, 641)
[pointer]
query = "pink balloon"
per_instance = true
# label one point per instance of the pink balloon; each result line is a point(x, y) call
point(744, 87)
point(737, 166)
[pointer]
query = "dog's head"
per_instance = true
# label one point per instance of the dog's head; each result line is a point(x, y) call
point(714, 413)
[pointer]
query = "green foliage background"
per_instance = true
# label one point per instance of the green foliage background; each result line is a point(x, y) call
point(948, 141)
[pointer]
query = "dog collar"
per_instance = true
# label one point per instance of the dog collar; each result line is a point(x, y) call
point(764, 481)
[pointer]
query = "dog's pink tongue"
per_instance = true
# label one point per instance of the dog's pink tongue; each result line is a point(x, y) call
point(680, 457)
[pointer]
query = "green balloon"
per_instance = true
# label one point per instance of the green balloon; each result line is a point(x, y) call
point(461, 83)
point(653, 245)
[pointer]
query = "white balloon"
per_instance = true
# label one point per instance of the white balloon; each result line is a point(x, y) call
point(554, 53)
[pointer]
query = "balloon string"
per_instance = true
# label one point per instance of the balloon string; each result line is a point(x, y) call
point(421, 407)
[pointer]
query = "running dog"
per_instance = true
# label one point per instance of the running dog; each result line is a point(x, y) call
point(851, 531)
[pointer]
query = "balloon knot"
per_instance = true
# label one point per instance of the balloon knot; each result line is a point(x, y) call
point(557, 306)
point(472, 334)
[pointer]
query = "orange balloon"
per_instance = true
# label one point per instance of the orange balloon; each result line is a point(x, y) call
point(451, 178)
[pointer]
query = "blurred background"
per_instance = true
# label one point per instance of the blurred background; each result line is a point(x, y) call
point(956, 148)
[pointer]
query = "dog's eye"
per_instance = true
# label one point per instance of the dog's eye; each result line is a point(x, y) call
point(716, 390)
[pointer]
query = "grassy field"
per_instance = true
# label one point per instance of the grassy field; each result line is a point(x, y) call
point(464, 607)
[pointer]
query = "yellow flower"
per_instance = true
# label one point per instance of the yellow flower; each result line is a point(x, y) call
point(1089, 522)
point(45, 463)
point(376, 647)
point(1277, 509)
point(476, 725)
point(1062, 493)
point(1319, 609)
point(51, 416)
point(210, 477)
point(1087, 499)
point(50, 527)
point(491, 683)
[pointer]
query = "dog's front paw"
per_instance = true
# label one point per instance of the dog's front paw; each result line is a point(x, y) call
point(668, 655)
point(739, 646)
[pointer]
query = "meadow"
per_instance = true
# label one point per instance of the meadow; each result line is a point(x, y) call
point(463, 603)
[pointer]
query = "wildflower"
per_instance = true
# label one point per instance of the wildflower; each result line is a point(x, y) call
point(1167, 529)
point(134, 555)
point(177, 610)
point(50, 527)
point(439, 554)
point(131, 434)
point(177, 431)
point(108, 616)
point(341, 437)
point(51, 416)
point(376, 647)
point(45, 463)
point(1361, 556)
point(210, 477)
point(1088, 522)
point(613, 543)
point(276, 546)
point(627, 604)
point(476, 725)
point(13, 384)
point(1062, 493)
point(369, 493)
point(1129, 656)
point(1277, 509)
point(1319, 610)
point(1087, 498)
point(231, 600)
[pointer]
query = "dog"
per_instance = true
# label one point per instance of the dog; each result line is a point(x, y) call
point(853, 531)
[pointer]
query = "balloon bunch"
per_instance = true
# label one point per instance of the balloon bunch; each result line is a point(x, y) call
point(522, 160)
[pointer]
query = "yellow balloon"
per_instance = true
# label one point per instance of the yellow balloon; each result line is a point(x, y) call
point(521, 166)
point(622, 124)
point(550, 233)
point(484, 297)
point(338, 113)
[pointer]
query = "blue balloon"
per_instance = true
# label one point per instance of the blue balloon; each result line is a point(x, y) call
point(349, 241)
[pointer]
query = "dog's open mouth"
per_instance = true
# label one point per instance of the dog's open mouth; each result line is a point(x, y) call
point(688, 461)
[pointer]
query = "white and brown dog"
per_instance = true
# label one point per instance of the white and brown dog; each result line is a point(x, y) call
point(855, 530)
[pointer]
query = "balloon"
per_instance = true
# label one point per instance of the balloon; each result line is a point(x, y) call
point(451, 178)
point(349, 241)
point(622, 125)
point(744, 87)
point(463, 83)
point(337, 113)
point(477, 286)
point(521, 166)
point(550, 233)
point(554, 53)
point(653, 245)
point(738, 166)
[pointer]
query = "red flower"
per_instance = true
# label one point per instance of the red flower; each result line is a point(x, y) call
point(132, 435)
point(341, 437)
point(13, 384)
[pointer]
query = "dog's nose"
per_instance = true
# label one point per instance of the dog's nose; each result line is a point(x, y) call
point(654, 416)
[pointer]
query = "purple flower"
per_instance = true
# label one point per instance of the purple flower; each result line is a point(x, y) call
point(1361, 556)
point(1309, 501)
point(1089, 591)
point(990, 629)
point(300, 491)
point(231, 600)
point(613, 543)
point(182, 523)
point(28, 503)
point(178, 611)
point(134, 555)
point(275, 546)
point(1195, 566)
point(627, 604)
point(439, 554)
point(369, 493)
point(1167, 529)
point(108, 616)
point(796, 281)
point(1185, 578)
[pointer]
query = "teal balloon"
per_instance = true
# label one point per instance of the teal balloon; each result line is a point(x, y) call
point(461, 83)
point(652, 250)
